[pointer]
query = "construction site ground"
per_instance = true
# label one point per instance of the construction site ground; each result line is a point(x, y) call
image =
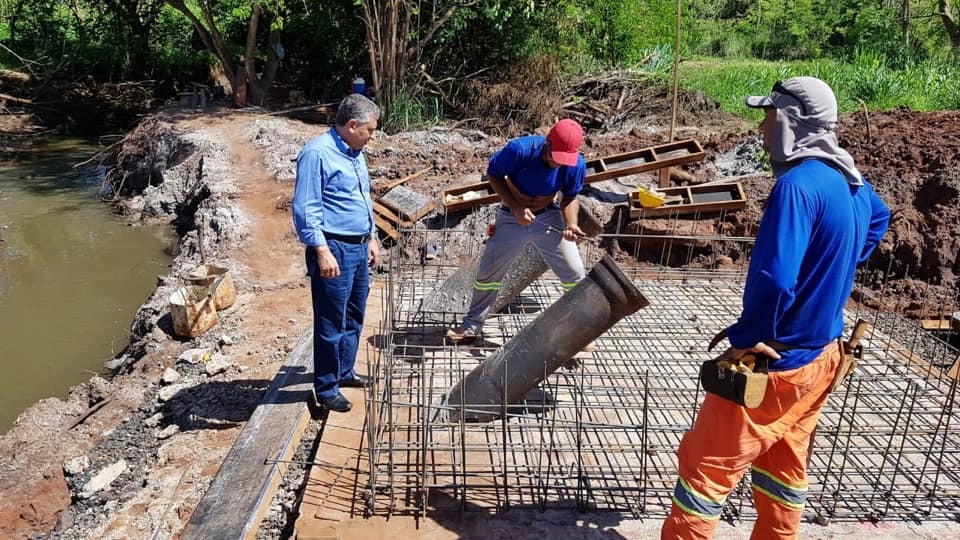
point(245, 177)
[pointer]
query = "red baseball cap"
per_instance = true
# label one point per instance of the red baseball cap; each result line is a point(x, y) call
point(565, 138)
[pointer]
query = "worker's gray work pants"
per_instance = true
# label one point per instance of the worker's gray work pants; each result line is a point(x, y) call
point(508, 240)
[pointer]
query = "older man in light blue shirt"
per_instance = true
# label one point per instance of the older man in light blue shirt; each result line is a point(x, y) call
point(333, 216)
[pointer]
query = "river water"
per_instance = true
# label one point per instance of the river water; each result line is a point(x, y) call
point(72, 274)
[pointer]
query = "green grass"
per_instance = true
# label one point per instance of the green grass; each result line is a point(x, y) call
point(407, 113)
point(921, 86)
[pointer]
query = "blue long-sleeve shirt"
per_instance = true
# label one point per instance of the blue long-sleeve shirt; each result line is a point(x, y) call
point(332, 192)
point(814, 232)
point(520, 160)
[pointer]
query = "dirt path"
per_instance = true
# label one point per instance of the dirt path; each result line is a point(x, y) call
point(272, 311)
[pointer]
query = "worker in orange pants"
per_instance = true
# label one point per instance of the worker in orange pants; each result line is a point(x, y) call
point(822, 219)
point(774, 438)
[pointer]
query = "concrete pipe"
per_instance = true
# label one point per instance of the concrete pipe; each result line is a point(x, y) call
point(456, 292)
point(581, 315)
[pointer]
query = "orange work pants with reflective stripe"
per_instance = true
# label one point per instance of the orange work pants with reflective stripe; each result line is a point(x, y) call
point(772, 440)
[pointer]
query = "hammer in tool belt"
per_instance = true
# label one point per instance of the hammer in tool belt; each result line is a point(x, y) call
point(852, 350)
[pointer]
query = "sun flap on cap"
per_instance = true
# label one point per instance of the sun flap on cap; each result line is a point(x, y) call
point(759, 102)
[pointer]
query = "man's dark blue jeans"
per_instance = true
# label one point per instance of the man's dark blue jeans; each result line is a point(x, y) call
point(338, 308)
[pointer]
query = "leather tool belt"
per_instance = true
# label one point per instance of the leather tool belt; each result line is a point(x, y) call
point(742, 381)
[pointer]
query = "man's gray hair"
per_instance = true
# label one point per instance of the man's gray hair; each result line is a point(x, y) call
point(357, 107)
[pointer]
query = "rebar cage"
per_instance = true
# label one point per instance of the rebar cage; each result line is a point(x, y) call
point(602, 433)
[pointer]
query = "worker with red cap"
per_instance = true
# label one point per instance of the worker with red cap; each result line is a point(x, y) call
point(527, 174)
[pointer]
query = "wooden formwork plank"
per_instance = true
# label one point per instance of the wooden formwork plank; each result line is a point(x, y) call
point(644, 160)
point(240, 494)
point(605, 168)
point(392, 184)
point(335, 484)
point(386, 226)
point(389, 215)
point(704, 199)
point(935, 324)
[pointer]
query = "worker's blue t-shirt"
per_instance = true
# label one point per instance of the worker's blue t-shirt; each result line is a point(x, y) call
point(520, 160)
point(814, 232)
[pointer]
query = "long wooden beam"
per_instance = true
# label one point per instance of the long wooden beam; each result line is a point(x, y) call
point(240, 494)
point(644, 160)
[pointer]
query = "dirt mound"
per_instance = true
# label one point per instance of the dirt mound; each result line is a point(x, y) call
point(911, 158)
point(531, 96)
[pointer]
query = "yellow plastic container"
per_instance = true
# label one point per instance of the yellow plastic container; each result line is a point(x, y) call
point(649, 199)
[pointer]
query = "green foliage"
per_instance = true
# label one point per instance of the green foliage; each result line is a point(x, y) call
point(103, 39)
point(857, 45)
point(411, 112)
point(922, 86)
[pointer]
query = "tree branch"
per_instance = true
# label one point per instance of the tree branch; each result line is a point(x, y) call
point(437, 23)
point(949, 23)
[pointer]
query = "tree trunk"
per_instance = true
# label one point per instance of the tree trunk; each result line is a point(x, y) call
point(273, 63)
point(259, 86)
point(249, 60)
point(393, 52)
point(211, 38)
point(905, 23)
point(387, 41)
point(950, 24)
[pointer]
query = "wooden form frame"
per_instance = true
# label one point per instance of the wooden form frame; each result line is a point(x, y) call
point(388, 221)
point(487, 196)
point(390, 218)
point(702, 199)
point(599, 169)
point(644, 160)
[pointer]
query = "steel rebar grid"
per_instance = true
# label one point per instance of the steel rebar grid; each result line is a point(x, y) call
point(605, 435)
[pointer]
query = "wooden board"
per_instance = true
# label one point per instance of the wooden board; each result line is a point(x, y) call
point(707, 199)
point(386, 227)
point(605, 168)
point(935, 324)
point(387, 186)
point(644, 160)
point(390, 215)
point(240, 494)
point(477, 194)
point(407, 203)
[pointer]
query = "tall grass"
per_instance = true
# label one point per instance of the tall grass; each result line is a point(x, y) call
point(409, 112)
point(922, 85)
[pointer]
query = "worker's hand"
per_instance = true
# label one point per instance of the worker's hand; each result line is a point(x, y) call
point(760, 348)
point(523, 215)
point(329, 268)
point(374, 253)
point(573, 233)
